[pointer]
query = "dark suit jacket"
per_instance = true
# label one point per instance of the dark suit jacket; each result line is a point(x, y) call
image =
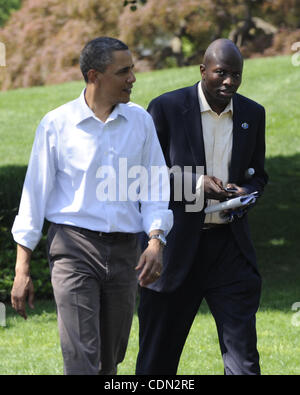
point(177, 118)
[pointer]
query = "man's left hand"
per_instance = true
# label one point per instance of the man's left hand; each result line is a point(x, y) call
point(239, 191)
point(150, 263)
point(232, 214)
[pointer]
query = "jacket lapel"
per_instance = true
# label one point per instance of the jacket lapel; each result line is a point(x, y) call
point(239, 141)
point(193, 126)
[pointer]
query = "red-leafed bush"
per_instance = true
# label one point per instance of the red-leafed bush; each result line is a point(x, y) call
point(44, 39)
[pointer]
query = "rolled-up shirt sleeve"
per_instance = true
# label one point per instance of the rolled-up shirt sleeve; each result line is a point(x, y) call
point(154, 205)
point(39, 181)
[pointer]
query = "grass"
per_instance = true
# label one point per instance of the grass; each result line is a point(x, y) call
point(32, 347)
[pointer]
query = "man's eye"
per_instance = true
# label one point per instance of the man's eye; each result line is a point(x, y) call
point(221, 72)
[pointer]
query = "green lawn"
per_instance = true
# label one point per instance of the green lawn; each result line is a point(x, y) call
point(32, 347)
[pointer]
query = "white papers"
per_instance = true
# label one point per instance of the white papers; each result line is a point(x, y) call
point(241, 201)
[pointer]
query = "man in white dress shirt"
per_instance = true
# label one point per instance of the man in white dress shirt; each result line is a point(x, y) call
point(78, 178)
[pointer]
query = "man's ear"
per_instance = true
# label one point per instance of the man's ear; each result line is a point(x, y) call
point(93, 76)
point(202, 70)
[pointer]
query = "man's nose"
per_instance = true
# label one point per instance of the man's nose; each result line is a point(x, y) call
point(131, 79)
point(228, 80)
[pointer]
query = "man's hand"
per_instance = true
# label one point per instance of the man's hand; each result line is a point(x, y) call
point(21, 290)
point(213, 189)
point(23, 287)
point(150, 263)
point(238, 191)
point(232, 214)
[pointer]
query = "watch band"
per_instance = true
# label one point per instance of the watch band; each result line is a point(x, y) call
point(159, 237)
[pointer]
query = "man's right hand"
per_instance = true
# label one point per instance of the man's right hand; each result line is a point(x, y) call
point(21, 290)
point(23, 286)
point(213, 189)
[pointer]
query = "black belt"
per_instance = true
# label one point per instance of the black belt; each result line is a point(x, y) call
point(107, 236)
point(213, 226)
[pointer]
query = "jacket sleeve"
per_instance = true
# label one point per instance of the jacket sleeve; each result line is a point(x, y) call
point(185, 181)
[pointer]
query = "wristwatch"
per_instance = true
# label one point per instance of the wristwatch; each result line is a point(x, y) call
point(160, 237)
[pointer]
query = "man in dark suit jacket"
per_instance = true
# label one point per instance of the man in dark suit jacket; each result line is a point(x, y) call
point(207, 125)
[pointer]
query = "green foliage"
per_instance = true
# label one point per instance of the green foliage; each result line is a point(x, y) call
point(133, 4)
point(188, 47)
point(39, 265)
point(6, 7)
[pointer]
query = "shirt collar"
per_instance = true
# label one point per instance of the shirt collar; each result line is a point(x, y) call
point(204, 106)
point(84, 112)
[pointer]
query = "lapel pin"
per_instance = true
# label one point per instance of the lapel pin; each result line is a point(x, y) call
point(245, 125)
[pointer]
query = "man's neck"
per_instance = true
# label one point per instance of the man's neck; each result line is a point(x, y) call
point(218, 109)
point(100, 108)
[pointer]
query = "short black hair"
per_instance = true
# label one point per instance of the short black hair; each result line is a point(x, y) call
point(97, 54)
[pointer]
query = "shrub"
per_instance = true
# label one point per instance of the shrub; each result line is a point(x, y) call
point(39, 267)
point(6, 7)
point(11, 181)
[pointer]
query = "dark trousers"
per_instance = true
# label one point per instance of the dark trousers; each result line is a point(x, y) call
point(231, 287)
point(94, 282)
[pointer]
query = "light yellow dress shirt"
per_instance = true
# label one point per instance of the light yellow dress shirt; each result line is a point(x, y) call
point(217, 135)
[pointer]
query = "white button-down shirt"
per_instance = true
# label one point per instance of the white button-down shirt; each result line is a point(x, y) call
point(217, 135)
point(90, 174)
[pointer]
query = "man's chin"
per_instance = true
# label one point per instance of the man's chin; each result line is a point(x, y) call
point(225, 96)
point(224, 99)
point(125, 98)
point(124, 101)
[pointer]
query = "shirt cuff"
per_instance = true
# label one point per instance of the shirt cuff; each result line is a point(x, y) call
point(24, 232)
point(159, 221)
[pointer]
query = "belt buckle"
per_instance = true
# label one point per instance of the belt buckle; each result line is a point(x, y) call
point(209, 226)
point(107, 235)
point(205, 227)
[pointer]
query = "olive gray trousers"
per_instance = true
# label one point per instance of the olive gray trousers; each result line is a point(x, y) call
point(94, 282)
